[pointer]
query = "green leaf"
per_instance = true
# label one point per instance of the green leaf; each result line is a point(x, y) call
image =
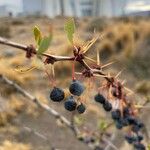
point(44, 44)
point(37, 35)
point(148, 147)
point(102, 125)
point(79, 120)
point(70, 29)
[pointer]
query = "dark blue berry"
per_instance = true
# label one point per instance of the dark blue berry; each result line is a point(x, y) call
point(57, 94)
point(140, 138)
point(119, 125)
point(135, 128)
point(70, 104)
point(132, 120)
point(130, 139)
point(125, 122)
point(100, 98)
point(116, 114)
point(76, 88)
point(81, 108)
point(139, 146)
point(126, 112)
point(107, 106)
point(140, 125)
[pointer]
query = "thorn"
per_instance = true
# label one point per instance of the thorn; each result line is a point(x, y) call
point(138, 106)
point(87, 46)
point(90, 59)
point(98, 57)
point(124, 82)
point(108, 75)
point(95, 75)
point(130, 91)
point(79, 73)
point(119, 73)
point(75, 48)
point(53, 70)
point(19, 70)
point(94, 31)
point(108, 64)
point(141, 106)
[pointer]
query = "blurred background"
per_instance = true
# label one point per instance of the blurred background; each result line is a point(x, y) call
point(126, 24)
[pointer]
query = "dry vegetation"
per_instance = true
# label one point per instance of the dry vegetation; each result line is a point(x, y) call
point(127, 42)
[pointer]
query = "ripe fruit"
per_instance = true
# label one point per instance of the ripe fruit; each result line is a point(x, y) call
point(57, 94)
point(119, 125)
point(139, 146)
point(125, 122)
point(100, 98)
point(140, 125)
point(135, 128)
point(70, 104)
point(76, 88)
point(130, 139)
point(81, 108)
point(116, 114)
point(126, 112)
point(140, 138)
point(107, 106)
point(132, 120)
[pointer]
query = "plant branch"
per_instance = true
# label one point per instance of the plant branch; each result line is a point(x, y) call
point(54, 58)
point(26, 48)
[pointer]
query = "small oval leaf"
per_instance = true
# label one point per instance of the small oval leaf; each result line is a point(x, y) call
point(44, 44)
point(102, 125)
point(37, 35)
point(70, 29)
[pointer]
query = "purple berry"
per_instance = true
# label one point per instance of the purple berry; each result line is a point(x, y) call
point(70, 104)
point(119, 125)
point(135, 128)
point(107, 106)
point(125, 122)
point(140, 125)
point(139, 138)
point(116, 114)
point(132, 120)
point(81, 108)
point(126, 112)
point(76, 88)
point(130, 139)
point(57, 94)
point(139, 146)
point(100, 98)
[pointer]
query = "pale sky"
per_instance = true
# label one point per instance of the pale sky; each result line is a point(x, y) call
point(132, 4)
point(14, 2)
point(17, 5)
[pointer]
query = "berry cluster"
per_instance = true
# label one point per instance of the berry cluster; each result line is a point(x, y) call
point(134, 137)
point(101, 99)
point(71, 103)
point(124, 118)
